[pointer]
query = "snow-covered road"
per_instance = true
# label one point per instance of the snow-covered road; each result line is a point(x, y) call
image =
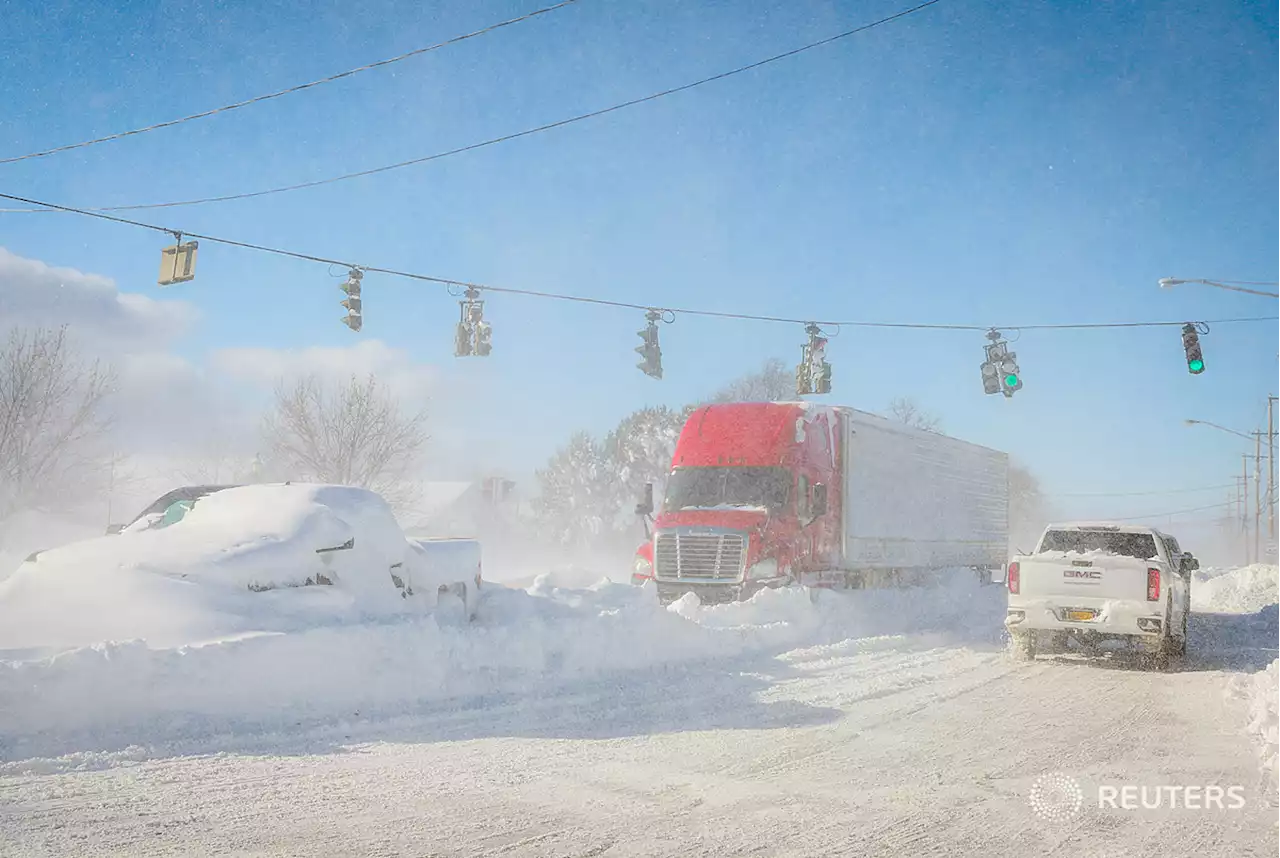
point(795, 737)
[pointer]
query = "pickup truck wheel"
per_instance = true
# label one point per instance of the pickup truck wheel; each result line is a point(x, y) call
point(1162, 658)
point(1023, 647)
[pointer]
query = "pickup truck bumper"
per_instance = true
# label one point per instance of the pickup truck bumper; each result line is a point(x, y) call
point(1139, 625)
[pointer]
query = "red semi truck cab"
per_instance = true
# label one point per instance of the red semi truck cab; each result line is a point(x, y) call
point(761, 494)
point(752, 500)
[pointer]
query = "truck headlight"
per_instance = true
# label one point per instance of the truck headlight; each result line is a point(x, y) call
point(642, 569)
point(766, 568)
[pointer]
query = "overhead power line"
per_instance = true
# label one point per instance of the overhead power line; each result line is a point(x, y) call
point(446, 281)
point(289, 90)
point(1171, 513)
point(527, 132)
point(1140, 494)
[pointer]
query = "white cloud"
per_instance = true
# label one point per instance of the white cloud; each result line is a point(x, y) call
point(166, 407)
point(95, 311)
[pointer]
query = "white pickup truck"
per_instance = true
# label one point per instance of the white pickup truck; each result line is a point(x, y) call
point(1098, 586)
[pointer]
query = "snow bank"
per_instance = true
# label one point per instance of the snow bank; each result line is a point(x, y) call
point(1242, 590)
point(1261, 692)
point(1248, 590)
point(523, 643)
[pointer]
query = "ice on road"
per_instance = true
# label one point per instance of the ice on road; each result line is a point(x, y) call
point(592, 722)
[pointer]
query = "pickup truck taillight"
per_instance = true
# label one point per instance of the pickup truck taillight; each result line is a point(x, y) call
point(1014, 578)
point(1153, 585)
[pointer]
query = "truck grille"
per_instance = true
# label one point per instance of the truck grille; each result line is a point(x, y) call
point(699, 555)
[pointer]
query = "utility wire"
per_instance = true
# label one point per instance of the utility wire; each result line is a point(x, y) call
point(427, 278)
point(1139, 494)
point(1172, 512)
point(299, 88)
point(529, 131)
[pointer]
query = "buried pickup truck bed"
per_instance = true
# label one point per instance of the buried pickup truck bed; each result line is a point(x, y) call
point(1101, 584)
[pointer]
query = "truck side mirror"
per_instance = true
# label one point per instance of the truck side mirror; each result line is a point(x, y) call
point(1190, 563)
point(645, 507)
point(819, 505)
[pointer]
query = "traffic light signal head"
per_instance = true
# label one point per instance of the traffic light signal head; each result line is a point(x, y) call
point(990, 377)
point(649, 349)
point(462, 341)
point(1191, 345)
point(822, 384)
point(354, 318)
point(1010, 375)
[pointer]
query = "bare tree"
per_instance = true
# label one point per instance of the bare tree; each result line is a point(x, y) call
point(906, 411)
point(351, 433)
point(215, 467)
point(53, 451)
point(773, 382)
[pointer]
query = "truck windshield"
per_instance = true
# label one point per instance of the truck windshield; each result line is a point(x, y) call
point(700, 488)
point(1139, 545)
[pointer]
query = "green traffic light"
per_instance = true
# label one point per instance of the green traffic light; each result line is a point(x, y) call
point(1011, 381)
point(1195, 365)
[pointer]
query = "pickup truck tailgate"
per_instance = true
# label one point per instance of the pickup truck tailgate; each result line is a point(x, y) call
point(1063, 579)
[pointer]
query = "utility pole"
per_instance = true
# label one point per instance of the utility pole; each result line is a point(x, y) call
point(1243, 506)
point(1238, 512)
point(1257, 495)
point(1271, 470)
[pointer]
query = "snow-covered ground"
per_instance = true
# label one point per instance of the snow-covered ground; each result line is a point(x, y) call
point(574, 721)
point(114, 694)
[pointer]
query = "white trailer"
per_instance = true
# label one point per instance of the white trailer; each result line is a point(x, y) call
point(917, 500)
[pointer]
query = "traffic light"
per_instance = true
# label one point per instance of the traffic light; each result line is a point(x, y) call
point(354, 318)
point(803, 385)
point(1191, 345)
point(649, 350)
point(462, 340)
point(990, 377)
point(813, 374)
point(823, 382)
point(1000, 373)
point(1010, 375)
point(474, 336)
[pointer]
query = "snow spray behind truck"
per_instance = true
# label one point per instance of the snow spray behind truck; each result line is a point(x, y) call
point(767, 494)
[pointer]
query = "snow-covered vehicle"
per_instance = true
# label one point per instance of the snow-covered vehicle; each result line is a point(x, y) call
point(167, 508)
point(238, 560)
point(1097, 585)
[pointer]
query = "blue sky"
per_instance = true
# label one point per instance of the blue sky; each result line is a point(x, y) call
point(978, 163)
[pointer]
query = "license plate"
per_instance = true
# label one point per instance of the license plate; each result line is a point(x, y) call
point(1081, 616)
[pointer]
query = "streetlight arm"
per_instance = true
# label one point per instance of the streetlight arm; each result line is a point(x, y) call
point(1216, 426)
point(1170, 282)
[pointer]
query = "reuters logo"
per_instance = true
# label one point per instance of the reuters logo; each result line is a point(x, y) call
point(1056, 797)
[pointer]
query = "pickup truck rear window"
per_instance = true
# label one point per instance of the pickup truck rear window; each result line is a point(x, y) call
point(1139, 545)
